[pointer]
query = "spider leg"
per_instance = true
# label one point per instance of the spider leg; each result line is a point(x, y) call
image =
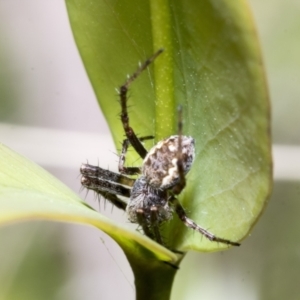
point(141, 221)
point(107, 189)
point(130, 170)
point(97, 172)
point(176, 190)
point(98, 184)
point(106, 183)
point(113, 199)
point(150, 230)
point(130, 134)
point(191, 224)
point(155, 224)
point(181, 183)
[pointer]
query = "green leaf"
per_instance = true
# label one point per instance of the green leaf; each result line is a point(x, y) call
point(28, 192)
point(212, 66)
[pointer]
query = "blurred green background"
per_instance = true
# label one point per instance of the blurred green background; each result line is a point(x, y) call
point(48, 106)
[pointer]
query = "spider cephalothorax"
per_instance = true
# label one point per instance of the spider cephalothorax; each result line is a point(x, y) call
point(153, 195)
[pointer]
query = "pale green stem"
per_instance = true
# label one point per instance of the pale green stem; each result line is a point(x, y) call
point(163, 68)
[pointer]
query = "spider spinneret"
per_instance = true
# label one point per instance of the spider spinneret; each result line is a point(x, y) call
point(153, 195)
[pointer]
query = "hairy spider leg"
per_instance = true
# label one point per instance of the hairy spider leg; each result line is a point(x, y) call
point(113, 199)
point(107, 189)
point(141, 221)
point(180, 186)
point(153, 231)
point(122, 158)
point(191, 224)
point(181, 183)
point(130, 134)
point(94, 171)
point(155, 224)
point(106, 183)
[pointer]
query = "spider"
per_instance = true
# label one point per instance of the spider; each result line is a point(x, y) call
point(153, 195)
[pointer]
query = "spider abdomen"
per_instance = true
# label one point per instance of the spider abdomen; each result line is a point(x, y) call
point(160, 165)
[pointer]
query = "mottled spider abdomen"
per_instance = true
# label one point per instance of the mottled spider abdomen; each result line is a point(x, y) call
point(160, 165)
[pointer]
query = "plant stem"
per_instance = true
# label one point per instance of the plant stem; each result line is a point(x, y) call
point(153, 277)
point(153, 280)
point(163, 68)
